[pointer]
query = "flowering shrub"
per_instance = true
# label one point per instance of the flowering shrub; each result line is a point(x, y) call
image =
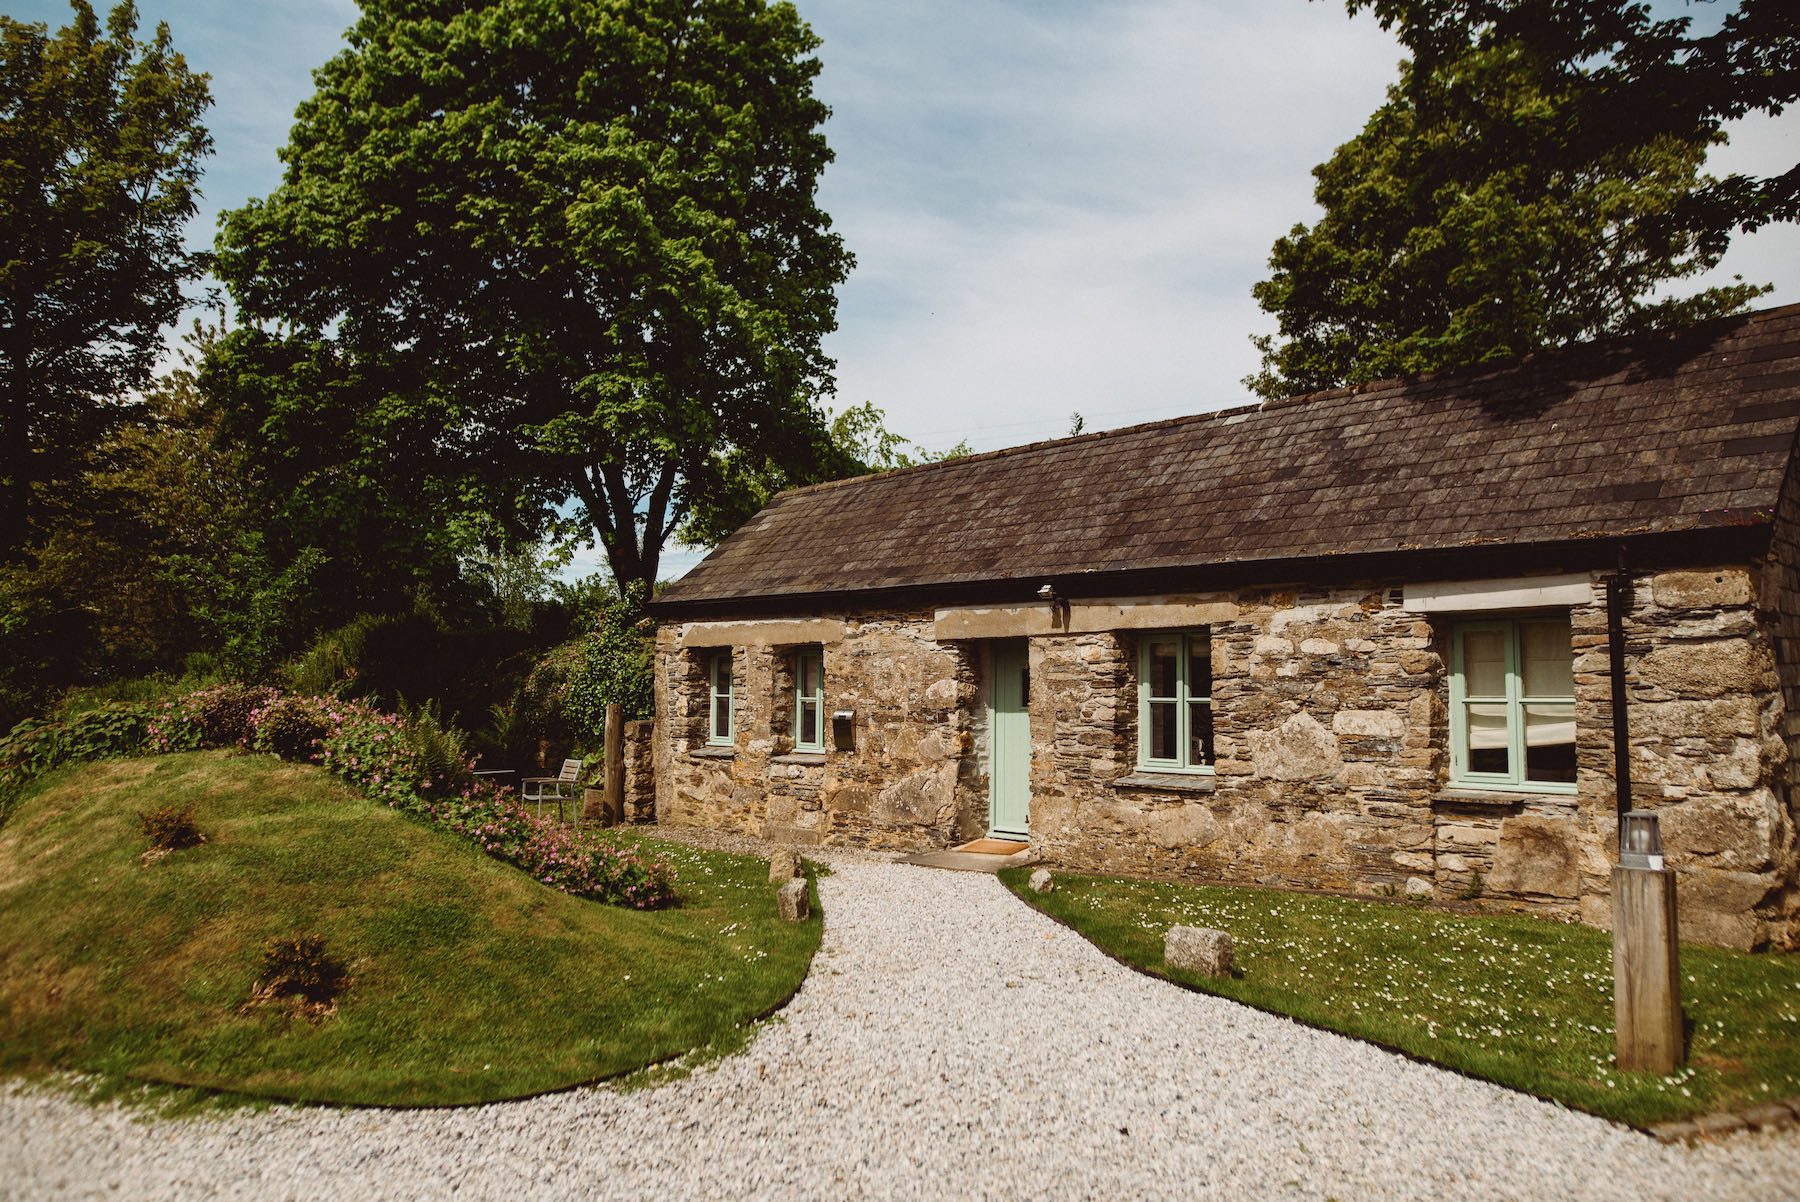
point(291, 726)
point(217, 717)
point(575, 861)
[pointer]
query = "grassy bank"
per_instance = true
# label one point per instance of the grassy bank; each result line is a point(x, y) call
point(469, 980)
point(1520, 1001)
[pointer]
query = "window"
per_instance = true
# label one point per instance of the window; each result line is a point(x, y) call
point(1175, 730)
point(719, 711)
point(809, 700)
point(1512, 704)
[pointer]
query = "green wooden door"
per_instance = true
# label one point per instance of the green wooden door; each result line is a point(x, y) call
point(1009, 731)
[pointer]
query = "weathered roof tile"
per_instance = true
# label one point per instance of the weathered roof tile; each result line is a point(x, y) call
point(1648, 435)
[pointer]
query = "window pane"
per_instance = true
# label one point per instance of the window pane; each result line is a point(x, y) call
point(1200, 734)
point(1199, 666)
point(721, 723)
point(1488, 746)
point(809, 723)
point(1162, 730)
point(809, 675)
point(1484, 663)
point(1547, 660)
point(1550, 743)
point(722, 674)
point(1165, 665)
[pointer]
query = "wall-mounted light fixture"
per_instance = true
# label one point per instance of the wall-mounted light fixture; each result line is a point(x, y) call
point(843, 729)
point(1059, 605)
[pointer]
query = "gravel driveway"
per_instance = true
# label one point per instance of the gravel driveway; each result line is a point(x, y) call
point(950, 1043)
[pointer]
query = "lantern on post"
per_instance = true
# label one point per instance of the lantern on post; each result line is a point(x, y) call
point(1646, 956)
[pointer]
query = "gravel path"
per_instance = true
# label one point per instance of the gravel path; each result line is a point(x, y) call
point(950, 1043)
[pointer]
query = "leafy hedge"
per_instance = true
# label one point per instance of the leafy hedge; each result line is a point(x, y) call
point(408, 763)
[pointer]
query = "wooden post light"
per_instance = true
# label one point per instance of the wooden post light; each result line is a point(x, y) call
point(615, 764)
point(1646, 958)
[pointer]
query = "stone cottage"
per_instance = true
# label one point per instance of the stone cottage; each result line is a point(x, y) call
point(1363, 640)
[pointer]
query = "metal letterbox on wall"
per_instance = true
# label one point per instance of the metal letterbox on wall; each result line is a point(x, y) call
point(843, 725)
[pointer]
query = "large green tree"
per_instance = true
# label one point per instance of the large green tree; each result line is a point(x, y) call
point(101, 144)
point(568, 250)
point(1534, 179)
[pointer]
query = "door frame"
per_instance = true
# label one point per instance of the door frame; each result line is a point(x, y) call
point(1004, 655)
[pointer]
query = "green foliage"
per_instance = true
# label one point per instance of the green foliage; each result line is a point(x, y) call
point(1526, 1002)
point(616, 667)
point(437, 749)
point(860, 433)
point(156, 556)
point(171, 827)
point(299, 967)
point(35, 746)
point(101, 139)
point(536, 250)
point(1533, 180)
point(335, 663)
point(339, 483)
point(473, 981)
point(133, 690)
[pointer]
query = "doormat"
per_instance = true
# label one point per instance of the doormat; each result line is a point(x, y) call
point(992, 847)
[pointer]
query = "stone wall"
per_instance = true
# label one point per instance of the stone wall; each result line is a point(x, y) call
point(1323, 705)
point(1331, 734)
point(640, 772)
point(905, 781)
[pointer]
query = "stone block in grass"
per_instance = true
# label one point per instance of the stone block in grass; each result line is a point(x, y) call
point(1198, 949)
point(792, 902)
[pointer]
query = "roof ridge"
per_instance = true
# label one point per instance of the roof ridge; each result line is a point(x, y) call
point(1067, 440)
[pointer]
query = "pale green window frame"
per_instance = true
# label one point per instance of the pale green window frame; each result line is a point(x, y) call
point(1513, 701)
point(721, 712)
point(1188, 702)
point(809, 699)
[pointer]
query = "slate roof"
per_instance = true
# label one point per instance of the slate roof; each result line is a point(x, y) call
point(1643, 436)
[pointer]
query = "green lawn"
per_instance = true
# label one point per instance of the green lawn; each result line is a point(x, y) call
point(1521, 1001)
point(470, 981)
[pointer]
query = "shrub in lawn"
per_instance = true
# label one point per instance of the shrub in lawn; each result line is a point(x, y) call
point(299, 969)
point(171, 828)
point(291, 727)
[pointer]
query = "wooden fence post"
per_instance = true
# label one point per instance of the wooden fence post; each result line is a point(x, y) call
point(615, 765)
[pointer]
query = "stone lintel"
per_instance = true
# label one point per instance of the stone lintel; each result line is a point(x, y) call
point(1510, 592)
point(992, 622)
point(788, 632)
point(1083, 616)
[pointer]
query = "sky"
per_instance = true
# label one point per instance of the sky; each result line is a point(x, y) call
point(1056, 206)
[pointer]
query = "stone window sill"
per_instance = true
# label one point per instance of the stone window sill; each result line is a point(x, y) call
point(1485, 799)
point(813, 758)
point(712, 753)
point(1166, 782)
